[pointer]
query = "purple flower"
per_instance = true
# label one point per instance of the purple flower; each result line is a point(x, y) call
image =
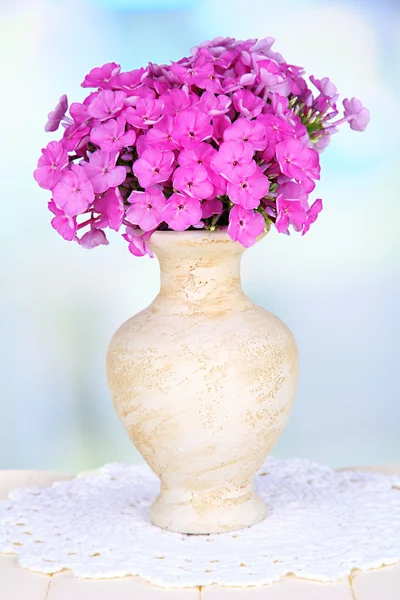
point(103, 172)
point(234, 160)
point(53, 160)
point(248, 189)
point(210, 207)
point(153, 167)
point(312, 215)
point(93, 238)
point(55, 116)
point(111, 135)
point(193, 181)
point(245, 226)
point(147, 208)
point(137, 244)
point(73, 192)
point(290, 212)
point(191, 127)
point(65, 225)
point(101, 76)
point(356, 114)
point(181, 212)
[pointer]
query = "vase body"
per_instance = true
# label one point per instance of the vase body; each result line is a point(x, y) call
point(203, 381)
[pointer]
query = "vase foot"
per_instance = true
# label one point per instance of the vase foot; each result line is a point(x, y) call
point(185, 512)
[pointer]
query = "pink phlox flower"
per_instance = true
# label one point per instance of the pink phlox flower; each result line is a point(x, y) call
point(103, 172)
point(191, 127)
point(65, 225)
point(142, 143)
point(101, 77)
point(147, 112)
point(249, 189)
point(276, 129)
point(214, 105)
point(312, 215)
point(93, 238)
point(290, 212)
point(245, 226)
point(130, 80)
point(57, 114)
point(107, 104)
point(199, 155)
point(193, 181)
point(141, 93)
point(356, 114)
point(182, 212)
point(111, 135)
point(160, 135)
point(194, 72)
point(79, 112)
point(147, 208)
point(296, 161)
point(75, 135)
point(111, 208)
point(220, 124)
point(73, 192)
point(137, 244)
point(210, 207)
point(234, 160)
point(247, 131)
point(153, 167)
point(248, 104)
point(293, 191)
point(175, 100)
point(269, 73)
point(52, 161)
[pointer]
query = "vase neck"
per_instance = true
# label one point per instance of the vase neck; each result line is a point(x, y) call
point(199, 274)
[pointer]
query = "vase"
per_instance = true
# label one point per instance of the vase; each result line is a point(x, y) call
point(203, 381)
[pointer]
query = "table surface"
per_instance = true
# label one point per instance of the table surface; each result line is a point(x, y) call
point(19, 584)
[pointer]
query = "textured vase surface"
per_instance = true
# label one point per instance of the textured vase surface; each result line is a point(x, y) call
point(203, 380)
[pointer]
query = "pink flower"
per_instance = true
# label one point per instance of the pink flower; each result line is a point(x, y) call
point(356, 114)
point(79, 112)
point(106, 105)
point(245, 226)
point(130, 80)
point(246, 131)
point(220, 125)
point(210, 207)
point(153, 167)
point(193, 181)
point(249, 189)
point(111, 207)
point(290, 212)
point(214, 105)
point(248, 104)
point(101, 76)
point(312, 215)
point(147, 112)
point(175, 100)
point(191, 127)
point(54, 158)
point(54, 117)
point(75, 135)
point(181, 212)
point(234, 160)
point(199, 155)
point(93, 238)
point(103, 172)
point(137, 244)
point(73, 192)
point(160, 135)
point(297, 161)
point(276, 129)
point(196, 73)
point(147, 208)
point(111, 135)
point(65, 225)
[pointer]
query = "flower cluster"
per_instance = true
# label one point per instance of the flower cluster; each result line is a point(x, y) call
point(228, 137)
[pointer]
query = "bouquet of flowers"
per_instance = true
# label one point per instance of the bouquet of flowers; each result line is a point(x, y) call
point(228, 137)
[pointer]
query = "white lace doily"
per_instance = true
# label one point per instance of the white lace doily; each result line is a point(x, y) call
point(321, 525)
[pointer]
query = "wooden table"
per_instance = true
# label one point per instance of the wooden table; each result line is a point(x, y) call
point(18, 584)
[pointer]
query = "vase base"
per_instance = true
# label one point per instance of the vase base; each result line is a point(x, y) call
point(182, 516)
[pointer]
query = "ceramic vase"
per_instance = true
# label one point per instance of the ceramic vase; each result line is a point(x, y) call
point(203, 380)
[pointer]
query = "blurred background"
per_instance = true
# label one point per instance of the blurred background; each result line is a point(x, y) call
point(337, 288)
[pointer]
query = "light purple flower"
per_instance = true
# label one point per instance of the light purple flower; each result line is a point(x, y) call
point(146, 208)
point(245, 225)
point(65, 225)
point(55, 116)
point(356, 114)
point(181, 212)
point(53, 160)
point(137, 244)
point(93, 238)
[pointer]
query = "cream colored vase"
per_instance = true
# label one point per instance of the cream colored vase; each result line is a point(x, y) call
point(203, 381)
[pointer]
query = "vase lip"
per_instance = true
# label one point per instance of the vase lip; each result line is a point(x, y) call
point(176, 241)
